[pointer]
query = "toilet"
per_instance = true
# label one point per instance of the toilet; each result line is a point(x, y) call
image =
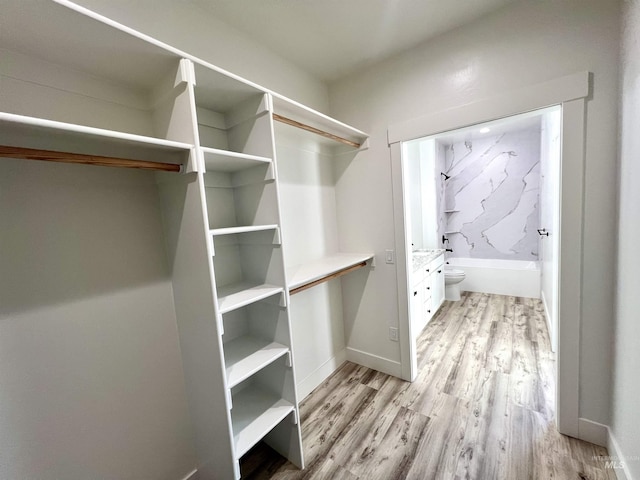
point(452, 279)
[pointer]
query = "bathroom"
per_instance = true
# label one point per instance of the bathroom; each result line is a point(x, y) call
point(488, 196)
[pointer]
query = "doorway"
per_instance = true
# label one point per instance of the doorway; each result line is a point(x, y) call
point(569, 93)
point(487, 198)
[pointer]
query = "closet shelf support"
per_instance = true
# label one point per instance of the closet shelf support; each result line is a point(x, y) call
point(315, 130)
point(68, 157)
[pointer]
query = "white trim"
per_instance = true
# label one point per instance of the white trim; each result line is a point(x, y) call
point(320, 374)
point(553, 336)
point(571, 92)
point(191, 476)
point(375, 362)
point(534, 97)
point(593, 432)
point(408, 359)
point(570, 266)
point(614, 451)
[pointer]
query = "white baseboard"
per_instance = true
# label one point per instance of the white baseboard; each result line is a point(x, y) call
point(320, 374)
point(191, 476)
point(602, 435)
point(593, 432)
point(623, 472)
point(381, 364)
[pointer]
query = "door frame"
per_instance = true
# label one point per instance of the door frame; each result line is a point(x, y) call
point(570, 92)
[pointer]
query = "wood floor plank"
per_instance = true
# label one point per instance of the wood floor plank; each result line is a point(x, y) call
point(340, 411)
point(439, 453)
point(481, 408)
point(486, 432)
point(360, 442)
point(396, 452)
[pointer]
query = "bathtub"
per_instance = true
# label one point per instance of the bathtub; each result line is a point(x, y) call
point(519, 278)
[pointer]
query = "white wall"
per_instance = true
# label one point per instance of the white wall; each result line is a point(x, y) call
point(523, 44)
point(90, 365)
point(550, 217)
point(185, 25)
point(415, 230)
point(625, 421)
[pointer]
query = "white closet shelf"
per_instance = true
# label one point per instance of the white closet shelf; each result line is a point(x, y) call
point(291, 110)
point(247, 229)
point(238, 295)
point(451, 231)
point(307, 275)
point(41, 134)
point(246, 355)
point(216, 160)
point(255, 412)
point(451, 211)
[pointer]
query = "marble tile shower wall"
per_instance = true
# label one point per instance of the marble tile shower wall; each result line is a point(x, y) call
point(490, 204)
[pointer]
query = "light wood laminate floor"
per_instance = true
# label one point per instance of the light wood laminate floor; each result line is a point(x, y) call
point(481, 408)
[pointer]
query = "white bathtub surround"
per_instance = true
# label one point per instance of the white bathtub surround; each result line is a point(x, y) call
point(491, 198)
point(504, 277)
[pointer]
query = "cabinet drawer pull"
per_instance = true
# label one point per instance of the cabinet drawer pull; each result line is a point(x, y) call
point(439, 271)
point(428, 311)
point(427, 270)
point(415, 293)
point(428, 288)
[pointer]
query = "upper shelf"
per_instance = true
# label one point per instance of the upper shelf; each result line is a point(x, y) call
point(307, 275)
point(48, 135)
point(329, 130)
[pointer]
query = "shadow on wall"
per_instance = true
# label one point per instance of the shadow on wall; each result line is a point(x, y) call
point(71, 232)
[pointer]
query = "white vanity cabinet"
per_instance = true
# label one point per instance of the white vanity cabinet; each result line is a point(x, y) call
point(436, 275)
point(427, 290)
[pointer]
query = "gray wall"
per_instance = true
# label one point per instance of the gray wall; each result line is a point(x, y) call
point(90, 366)
point(625, 422)
point(522, 44)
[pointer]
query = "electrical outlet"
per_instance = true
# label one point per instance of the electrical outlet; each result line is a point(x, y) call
point(389, 256)
point(393, 334)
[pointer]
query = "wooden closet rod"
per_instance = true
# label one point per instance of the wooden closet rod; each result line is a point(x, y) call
point(331, 276)
point(67, 157)
point(309, 128)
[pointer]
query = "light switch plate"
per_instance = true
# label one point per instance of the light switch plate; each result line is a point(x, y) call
point(389, 256)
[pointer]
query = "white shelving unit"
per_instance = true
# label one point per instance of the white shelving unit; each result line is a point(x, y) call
point(210, 135)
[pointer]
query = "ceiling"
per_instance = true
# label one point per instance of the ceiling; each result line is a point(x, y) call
point(331, 38)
